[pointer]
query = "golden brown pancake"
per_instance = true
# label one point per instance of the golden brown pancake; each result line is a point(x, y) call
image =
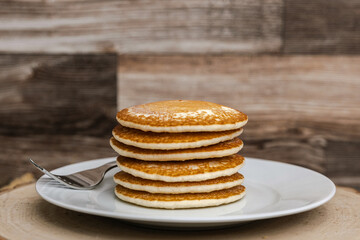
point(184, 200)
point(135, 183)
point(167, 141)
point(218, 150)
point(176, 171)
point(181, 116)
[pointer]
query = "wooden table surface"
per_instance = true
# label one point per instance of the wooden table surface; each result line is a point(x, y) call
point(25, 215)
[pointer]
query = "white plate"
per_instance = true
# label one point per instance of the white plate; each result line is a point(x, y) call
point(273, 189)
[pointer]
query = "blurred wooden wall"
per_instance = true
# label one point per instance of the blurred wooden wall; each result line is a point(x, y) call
point(293, 66)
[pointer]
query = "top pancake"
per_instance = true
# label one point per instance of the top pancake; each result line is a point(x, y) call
point(181, 116)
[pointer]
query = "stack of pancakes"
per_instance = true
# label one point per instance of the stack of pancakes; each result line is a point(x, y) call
point(179, 154)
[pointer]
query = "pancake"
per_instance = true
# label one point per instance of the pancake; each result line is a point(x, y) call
point(135, 183)
point(167, 141)
point(218, 150)
point(184, 200)
point(176, 171)
point(181, 116)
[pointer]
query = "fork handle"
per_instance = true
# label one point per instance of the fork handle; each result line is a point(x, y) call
point(47, 173)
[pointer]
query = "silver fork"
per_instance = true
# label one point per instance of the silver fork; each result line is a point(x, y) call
point(86, 179)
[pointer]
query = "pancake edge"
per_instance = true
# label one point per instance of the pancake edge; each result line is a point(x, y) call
point(186, 178)
point(182, 189)
point(181, 204)
point(170, 146)
point(178, 156)
point(184, 128)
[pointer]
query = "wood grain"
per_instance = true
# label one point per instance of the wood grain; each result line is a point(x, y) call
point(322, 26)
point(302, 109)
point(156, 26)
point(24, 179)
point(50, 151)
point(343, 162)
point(35, 218)
point(189, 26)
point(56, 109)
point(57, 94)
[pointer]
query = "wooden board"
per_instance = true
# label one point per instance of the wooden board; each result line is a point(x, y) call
point(57, 94)
point(157, 26)
point(57, 109)
point(322, 26)
point(25, 215)
point(50, 151)
point(190, 26)
point(302, 109)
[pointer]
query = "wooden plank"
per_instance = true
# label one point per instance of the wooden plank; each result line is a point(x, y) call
point(55, 108)
point(57, 94)
point(299, 107)
point(50, 151)
point(344, 157)
point(322, 26)
point(152, 26)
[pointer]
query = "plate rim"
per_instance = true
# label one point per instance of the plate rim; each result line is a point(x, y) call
point(184, 219)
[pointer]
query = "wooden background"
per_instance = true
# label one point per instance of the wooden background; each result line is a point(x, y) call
point(293, 66)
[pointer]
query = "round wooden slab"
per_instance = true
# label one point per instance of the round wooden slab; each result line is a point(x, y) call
point(24, 215)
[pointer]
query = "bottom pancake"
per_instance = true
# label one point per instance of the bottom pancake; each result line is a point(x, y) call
point(128, 181)
point(184, 200)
